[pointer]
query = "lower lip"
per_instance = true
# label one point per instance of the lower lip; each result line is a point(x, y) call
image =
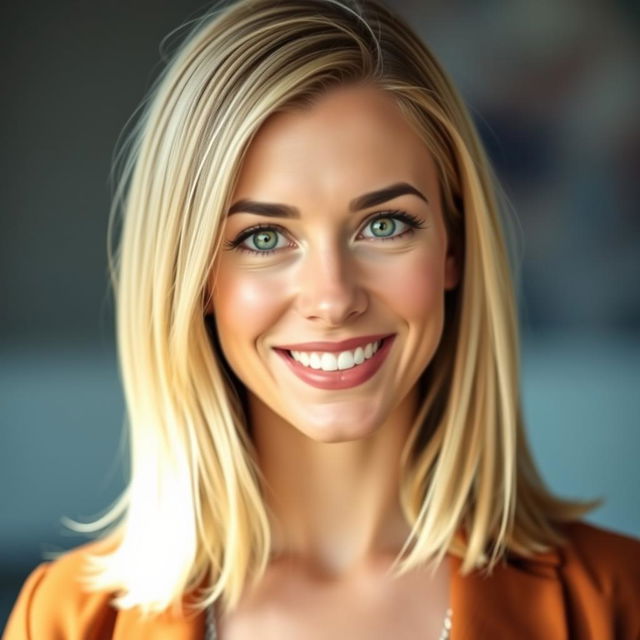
point(340, 379)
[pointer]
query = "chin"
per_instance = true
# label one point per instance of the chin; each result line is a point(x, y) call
point(339, 430)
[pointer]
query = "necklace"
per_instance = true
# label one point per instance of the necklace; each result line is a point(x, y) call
point(211, 633)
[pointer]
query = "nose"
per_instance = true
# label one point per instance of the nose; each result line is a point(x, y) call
point(329, 287)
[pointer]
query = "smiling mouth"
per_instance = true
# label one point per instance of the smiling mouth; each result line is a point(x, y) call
point(327, 370)
point(336, 361)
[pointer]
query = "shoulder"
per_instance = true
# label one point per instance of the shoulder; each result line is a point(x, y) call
point(611, 558)
point(588, 586)
point(54, 603)
point(601, 572)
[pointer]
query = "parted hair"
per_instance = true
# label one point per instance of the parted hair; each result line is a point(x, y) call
point(192, 513)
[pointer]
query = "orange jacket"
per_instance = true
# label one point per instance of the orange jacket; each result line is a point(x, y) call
point(588, 589)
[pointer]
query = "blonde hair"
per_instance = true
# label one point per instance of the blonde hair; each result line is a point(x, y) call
point(193, 510)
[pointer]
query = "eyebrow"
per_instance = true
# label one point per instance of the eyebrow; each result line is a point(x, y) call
point(273, 210)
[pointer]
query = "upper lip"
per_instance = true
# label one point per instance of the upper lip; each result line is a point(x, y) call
point(342, 345)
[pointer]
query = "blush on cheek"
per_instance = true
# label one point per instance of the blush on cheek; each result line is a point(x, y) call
point(414, 288)
point(248, 305)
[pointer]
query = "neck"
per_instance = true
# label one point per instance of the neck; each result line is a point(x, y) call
point(334, 506)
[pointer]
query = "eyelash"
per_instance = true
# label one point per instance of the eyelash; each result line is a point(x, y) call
point(410, 220)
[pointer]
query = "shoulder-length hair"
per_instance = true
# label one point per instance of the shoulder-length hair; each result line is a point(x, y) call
point(193, 511)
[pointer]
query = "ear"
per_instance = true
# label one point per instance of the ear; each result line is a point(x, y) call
point(452, 266)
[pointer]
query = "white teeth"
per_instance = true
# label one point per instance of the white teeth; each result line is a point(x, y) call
point(346, 360)
point(328, 362)
point(332, 362)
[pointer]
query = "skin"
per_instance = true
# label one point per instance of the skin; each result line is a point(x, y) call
point(331, 458)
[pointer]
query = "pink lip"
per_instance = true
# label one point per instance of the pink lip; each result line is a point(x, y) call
point(341, 379)
point(333, 347)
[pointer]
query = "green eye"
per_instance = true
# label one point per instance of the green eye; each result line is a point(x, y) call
point(390, 225)
point(383, 227)
point(265, 240)
point(261, 240)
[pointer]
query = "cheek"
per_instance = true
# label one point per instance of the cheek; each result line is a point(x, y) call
point(245, 305)
point(414, 287)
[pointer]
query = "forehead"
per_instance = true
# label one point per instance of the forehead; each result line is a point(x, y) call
point(350, 140)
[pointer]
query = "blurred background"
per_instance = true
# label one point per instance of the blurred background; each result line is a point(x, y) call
point(553, 87)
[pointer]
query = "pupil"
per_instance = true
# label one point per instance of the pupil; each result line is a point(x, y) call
point(385, 225)
point(263, 238)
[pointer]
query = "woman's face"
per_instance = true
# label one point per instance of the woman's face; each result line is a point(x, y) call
point(329, 264)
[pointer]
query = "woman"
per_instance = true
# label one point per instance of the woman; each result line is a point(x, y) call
point(318, 345)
